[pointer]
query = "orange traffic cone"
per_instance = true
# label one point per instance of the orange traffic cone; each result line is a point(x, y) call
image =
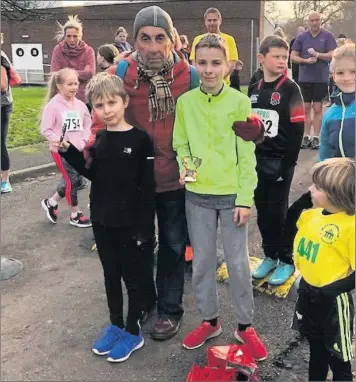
point(188, 253)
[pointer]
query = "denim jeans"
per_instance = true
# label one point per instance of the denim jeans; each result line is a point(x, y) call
point(172, 238)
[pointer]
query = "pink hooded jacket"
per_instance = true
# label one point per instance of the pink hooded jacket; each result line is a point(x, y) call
point(56, 113)
point(81, 58)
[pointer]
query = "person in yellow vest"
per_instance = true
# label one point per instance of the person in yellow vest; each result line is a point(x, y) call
point(213, 21)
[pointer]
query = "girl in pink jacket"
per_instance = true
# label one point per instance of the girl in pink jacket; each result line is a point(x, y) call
point(74, 53)
point(65, 117)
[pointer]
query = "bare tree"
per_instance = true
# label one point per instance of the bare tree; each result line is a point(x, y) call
point(331, 10)
point(22, 9)
point(346, 22)
point(272, 11)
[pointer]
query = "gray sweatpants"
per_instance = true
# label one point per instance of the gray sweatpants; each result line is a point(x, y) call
point(202, 227)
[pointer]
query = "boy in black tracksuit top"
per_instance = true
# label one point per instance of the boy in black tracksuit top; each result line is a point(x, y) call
point(278, 101)
point(122, 209)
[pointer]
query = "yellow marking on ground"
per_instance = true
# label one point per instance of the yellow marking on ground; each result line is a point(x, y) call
point(260, 285)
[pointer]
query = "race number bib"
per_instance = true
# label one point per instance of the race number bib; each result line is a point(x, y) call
point(71, 121)
point(270, 119)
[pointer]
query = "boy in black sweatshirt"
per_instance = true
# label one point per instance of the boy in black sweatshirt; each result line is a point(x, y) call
point(122, 209)
point(278, 101)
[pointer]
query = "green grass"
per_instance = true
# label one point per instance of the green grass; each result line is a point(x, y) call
point(24, 128)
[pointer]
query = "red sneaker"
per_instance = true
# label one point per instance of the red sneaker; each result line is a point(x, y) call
point(198, 336)
point(251, 339)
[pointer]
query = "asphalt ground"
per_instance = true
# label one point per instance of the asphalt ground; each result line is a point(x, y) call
point(53, 309)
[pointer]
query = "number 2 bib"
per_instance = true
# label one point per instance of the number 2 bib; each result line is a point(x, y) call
point(71, 121)
point(270, 119)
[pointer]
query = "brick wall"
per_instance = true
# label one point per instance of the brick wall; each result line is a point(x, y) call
point(100, 23)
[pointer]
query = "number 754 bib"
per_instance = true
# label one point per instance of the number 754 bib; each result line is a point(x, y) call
point(71, 121)
point(270, 119)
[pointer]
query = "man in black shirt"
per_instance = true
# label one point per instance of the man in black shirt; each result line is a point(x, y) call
point(278, 101)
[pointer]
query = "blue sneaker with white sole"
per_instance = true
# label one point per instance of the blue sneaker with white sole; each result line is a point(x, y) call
point(107, 339)
point(5, 187)
point(265, 268)
point(125, 347)
point(281, 274)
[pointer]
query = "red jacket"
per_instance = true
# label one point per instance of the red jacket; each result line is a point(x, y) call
point(81, 59)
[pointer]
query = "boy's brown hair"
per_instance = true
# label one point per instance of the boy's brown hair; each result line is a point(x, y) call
point(109, 52)
point(105, 85)
point(212, 40)
point(272, 42)
point(336, 177)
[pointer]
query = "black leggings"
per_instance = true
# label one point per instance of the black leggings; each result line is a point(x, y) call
point(6, 111)
point(121, 258)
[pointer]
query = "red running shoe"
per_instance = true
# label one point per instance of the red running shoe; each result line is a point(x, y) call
point(198, 336)
point(251, 339)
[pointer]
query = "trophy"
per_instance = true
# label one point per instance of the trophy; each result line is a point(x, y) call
point(191, 175)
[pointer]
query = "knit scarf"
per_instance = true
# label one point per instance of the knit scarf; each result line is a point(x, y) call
point(73, 52)
point(160, 99)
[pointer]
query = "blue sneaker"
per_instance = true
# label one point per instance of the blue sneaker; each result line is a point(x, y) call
point(123, 349)
point(281, 274)
point(5, 187)
point(265, 268)
point(107, 339)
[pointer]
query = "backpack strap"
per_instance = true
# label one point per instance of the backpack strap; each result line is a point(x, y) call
point(194, 78)
point(122, 68)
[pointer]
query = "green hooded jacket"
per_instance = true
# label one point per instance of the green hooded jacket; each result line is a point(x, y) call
point(204, 141)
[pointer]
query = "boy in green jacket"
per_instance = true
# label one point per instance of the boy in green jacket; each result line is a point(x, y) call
point(225, 179)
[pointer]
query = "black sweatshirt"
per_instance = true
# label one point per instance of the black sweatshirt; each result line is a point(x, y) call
point(283, 98)
point(123, 189)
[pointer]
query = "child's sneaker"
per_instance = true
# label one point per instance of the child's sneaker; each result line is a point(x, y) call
point(199, 335)
point(80, 221)
point(107, 340)
point(51, 211)
point(281, 274)
point(250, 338)
point(306, 142)
point(315, 143)
point(5, 187)
point(125, 347)
point(264, 268)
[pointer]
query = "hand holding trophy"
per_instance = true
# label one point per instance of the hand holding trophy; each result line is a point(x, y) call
point(189, 174)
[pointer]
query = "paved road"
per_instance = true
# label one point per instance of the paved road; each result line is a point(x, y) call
point(53, 309)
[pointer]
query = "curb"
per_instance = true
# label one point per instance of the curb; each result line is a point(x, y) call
point(31, 172)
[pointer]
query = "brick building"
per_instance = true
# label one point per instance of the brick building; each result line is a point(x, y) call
point(242, 19)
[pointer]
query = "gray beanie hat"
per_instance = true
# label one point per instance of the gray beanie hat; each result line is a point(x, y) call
point(153, 16)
